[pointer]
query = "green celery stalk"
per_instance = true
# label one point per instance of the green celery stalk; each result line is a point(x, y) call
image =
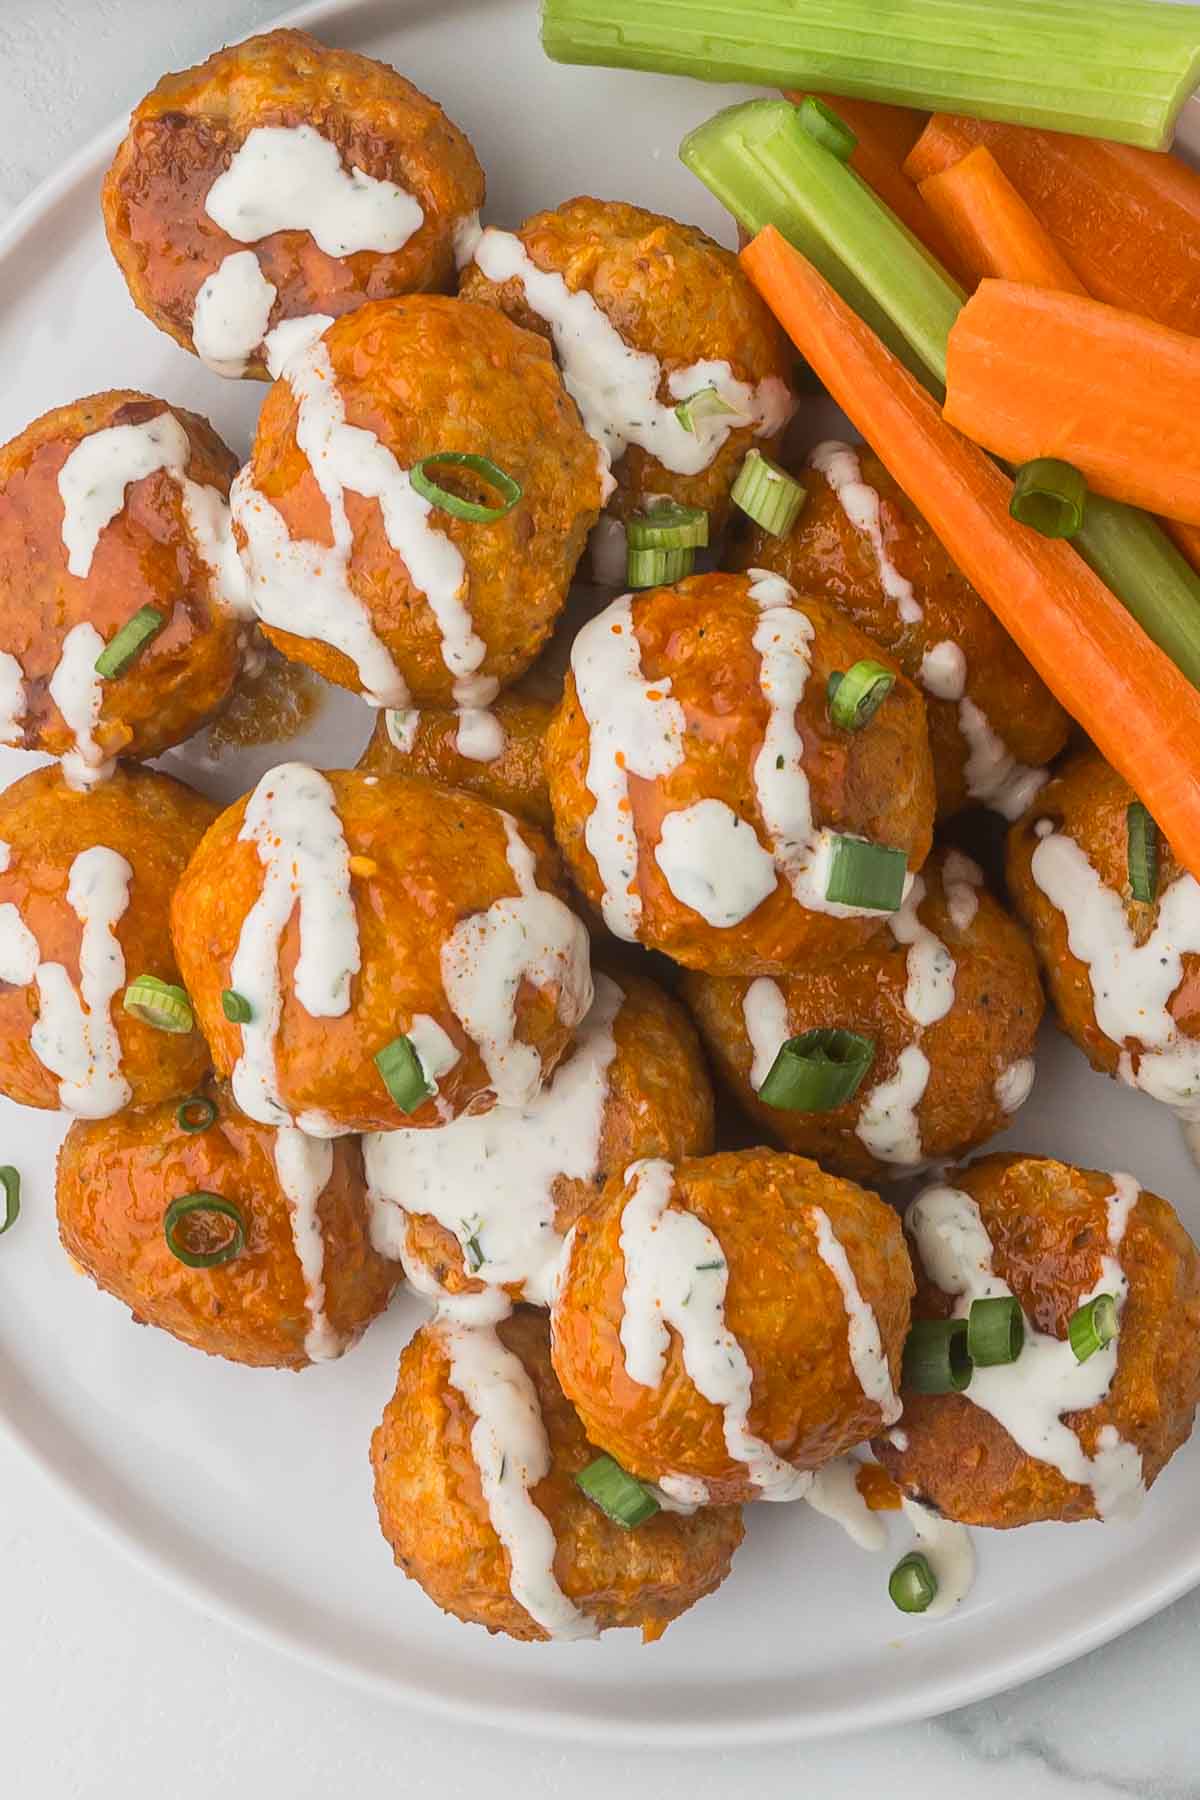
point(767, 170)
point(1106, 68)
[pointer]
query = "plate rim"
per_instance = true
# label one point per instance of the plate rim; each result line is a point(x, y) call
point(908, 1704)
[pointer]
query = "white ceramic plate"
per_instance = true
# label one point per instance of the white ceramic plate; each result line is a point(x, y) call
point(250, 1490)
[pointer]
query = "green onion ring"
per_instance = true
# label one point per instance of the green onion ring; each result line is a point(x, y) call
point(129, 642)
point(195, 1114)
point(1142, 838)
point(458, 508)
point(995, 1331)
point(10, 1181)
point(828, 128)
point(767, 494)
point(1050, 497)
point(912, 1585)
point(658, 568)
point(201, 1202)
point(668, 526)
point(403, 1076)
point(866, 875)
point(855, 697)
point(236, 1007)
point(936, 1358)
point(1093, 1326)
point(706, 403)
point(162, 1004)
point(620, 1497)
point(818, 1071)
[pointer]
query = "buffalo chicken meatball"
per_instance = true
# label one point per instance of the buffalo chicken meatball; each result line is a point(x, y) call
point(488, 1199)
point(949, 1002)
point(281, 179)
point(359, 513)
point(85, 889)
point(475, 1462)
point(368, 952)
point(114, 536)
point(727, 1325)
point(645, 313)
point(860, 542)
point(286, 1274)
point(1122, 969)
point(705, 798)
point(1048, 1437)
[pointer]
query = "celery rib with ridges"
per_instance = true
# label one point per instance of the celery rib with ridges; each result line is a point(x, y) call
point(764, 167)
point(1105, 68)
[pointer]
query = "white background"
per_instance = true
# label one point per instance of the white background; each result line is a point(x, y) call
point(108, 1685)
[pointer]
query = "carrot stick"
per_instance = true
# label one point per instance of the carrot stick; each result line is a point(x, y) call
point(993, 231)
point(1033, 373)
point(1127, 221)
point(1132, 701)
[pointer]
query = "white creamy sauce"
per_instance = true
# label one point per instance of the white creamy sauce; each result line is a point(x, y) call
point(1015, 1084)
point(532, 937)
point(887, 1123)
point(480, 736)
point(840, 466)
point(291, 337)
point(993, 774)
point(675, 1277)
point(929, 994)
point(866, 1346)
point(12, 699)
point(489, 1177)
point(304, 1166)
point(1131, 983)
point(402, 728)
point(714, 863)
point(435, 1049)
point(897, 1439)
point(1029, 1396)
point(232, 314)
point(764, 1011)
point(291, 818)
point(511, 1451)
point(634, 728)
point(465, 239)
point(835, 1493)
point(961, 878)
point(303, 587)
point(290, 178)
point(948, 1550)
point(74, 1035)
point(616, 388)
point(78, 692)
point(944, 671)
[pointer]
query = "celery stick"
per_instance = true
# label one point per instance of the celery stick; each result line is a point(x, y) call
point(761, 164)
point(1106, 68)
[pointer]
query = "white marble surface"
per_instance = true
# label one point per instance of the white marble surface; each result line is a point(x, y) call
point(109, 1685)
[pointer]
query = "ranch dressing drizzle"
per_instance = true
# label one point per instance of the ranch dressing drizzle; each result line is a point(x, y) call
point(12, 699)
point(1014, 1085)
point(533, 937)
point(290, 178)
point(950, 1554)
point(993, 774)
point(887, 1123)
point(304, 1166)
point(232, 314)
point(78, 692)
point(764, 1011)
point(303, 587)
point(634, 728)
point(840, 466)
point(866, 1346)
point(489, 1177)
point(291, 818)
point(675, 1276)
point(511, 1451)
point(616, 388)
point(1029, 1396)
point(960, 879)
point(480, 736)
point(835, 1493)
point(1131, 983)
point(74, 1035)
point(944, 670)
point(714, 863)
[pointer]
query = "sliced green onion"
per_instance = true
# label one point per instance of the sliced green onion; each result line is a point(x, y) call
point(472, 1253)
point(1093, 1326)
point(767, 494)
point(159, 1003)
point(236, 1007)
point(658, 568)
point(1050, 497)
point(619, 1496)
point(1142, 836)
point(130, 641)
point(865, 874)
point(995, 1331)
point(705, 404)
point(668, 526)
point(855, 697)
point(491, 473)
point(10, 1181)
point(201, 1202)
point(818, 1071)
point(1117, 69)
point(912, 1584)
point(936, 1357)
point(831, 131)
point(403, 1076)
point(195, 1114)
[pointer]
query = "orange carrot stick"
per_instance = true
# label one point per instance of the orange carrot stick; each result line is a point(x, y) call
point(991, 228)
point(1033, 373)
point(1127, 221)
point(1132, 701)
